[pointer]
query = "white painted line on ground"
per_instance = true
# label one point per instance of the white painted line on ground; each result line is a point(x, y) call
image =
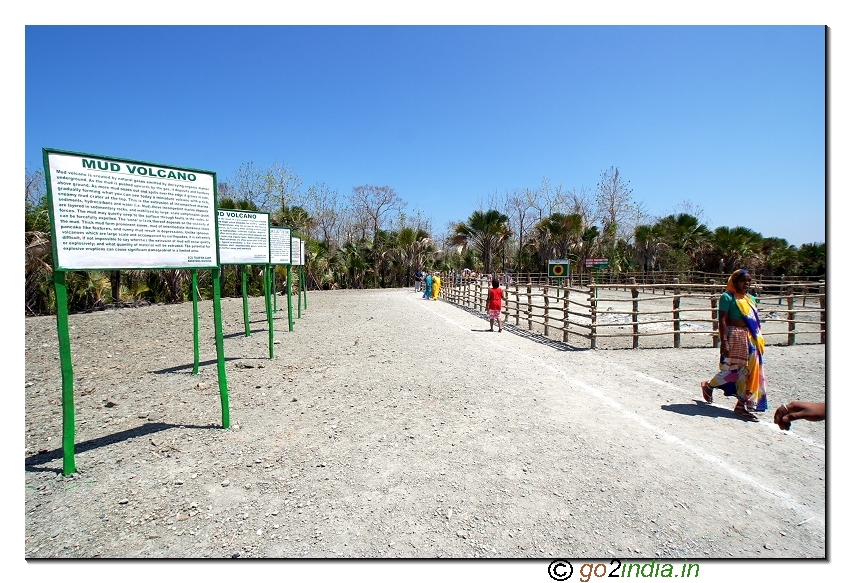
point(788, 499)
point(769, 426)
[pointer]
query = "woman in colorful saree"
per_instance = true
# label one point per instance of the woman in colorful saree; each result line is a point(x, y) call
point(741, 348)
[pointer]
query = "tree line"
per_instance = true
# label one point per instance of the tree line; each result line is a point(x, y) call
point(367, 239)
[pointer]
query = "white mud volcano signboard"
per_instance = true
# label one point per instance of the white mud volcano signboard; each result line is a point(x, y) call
point(112, 213)
point(280, 245)
point(296, 251)
point(243, 237)
point(109, 213)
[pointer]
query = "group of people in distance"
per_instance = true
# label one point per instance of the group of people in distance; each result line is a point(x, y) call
point(428, 283)
point(741, 371)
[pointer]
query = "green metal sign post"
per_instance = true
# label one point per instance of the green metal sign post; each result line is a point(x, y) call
point(267, 286)
point(304, 271)
point(246, 318)
point(289, 296)
point(195, 327)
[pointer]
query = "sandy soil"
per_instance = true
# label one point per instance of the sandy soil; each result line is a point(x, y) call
point(391, 426)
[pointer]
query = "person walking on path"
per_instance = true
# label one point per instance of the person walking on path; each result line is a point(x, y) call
point(429, 282)
point(494, 304)
point(436, 282)
point(741, 371)
point(417, 279)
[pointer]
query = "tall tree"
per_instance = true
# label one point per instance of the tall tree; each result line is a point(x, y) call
point(614, 205)
point(411, 247)
point(376, 205)
point(579, 202)
point(248, 183)
point(281, 188)
point(485, 232)
point(589, 242)
point(323, 205)
point(297, 218)
point(354, 262)
point(524, 210)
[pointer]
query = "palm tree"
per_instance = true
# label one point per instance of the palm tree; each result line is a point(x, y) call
point(384, 249)
point(486, 232)
point(322, 264)
point(812, 257)
point(738, 247)
point(564, 233)
point(648, 240)
point(589, 237)
point(295, 217)
point(353, 260)
point(411, 247)
point(685, 236)
point(780, 258)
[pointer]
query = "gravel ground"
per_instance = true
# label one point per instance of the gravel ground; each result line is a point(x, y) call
point(391, 426)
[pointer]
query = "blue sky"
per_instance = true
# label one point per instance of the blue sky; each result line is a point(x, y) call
point(731, 118)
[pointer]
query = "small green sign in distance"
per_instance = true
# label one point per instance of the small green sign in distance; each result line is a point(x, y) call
point(559, 268)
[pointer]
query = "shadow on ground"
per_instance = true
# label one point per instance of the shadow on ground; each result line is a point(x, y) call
point(698, 408)
point(191, 366)
point(43, 457)
point(527, 334)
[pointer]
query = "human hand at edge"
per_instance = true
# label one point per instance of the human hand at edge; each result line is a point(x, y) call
point(794, 410)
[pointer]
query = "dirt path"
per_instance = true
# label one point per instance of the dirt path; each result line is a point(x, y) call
point(391, 426)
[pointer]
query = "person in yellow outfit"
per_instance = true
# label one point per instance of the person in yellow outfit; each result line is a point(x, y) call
point(436, 289)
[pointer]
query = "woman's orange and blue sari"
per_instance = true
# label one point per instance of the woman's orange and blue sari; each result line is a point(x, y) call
point(741, 372)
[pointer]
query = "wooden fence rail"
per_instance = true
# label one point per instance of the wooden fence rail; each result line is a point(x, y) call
point(596, 311)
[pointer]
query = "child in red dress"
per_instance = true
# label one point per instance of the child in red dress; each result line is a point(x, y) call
point(494, 304)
